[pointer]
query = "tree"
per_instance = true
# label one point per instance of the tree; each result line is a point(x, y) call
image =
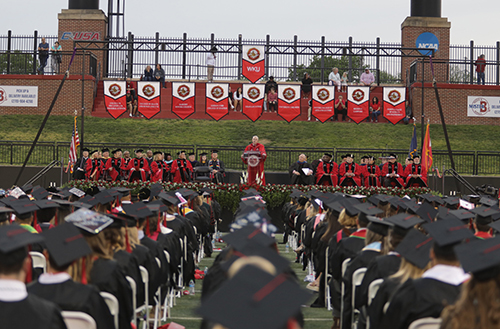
point(342, 63)
point(457, 75)
point(386, 77)
point(20, 63)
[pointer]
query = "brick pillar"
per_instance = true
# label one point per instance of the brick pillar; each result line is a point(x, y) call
point(82, 25)
point(411, 29)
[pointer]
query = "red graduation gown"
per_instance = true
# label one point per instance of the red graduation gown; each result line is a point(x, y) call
point(323, 169)
point(182, 169)
point(350, 168)
point(113, 167)
point(371, 181)
point(258, 170)
point(138, 165)
point(395, 167)
point(416, 169)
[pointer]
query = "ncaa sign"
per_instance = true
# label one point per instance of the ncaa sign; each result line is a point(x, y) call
point(427, 40)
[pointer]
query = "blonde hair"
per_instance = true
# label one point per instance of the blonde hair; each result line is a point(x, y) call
point(409, 271)
point(346, 220)
point(256, 261)
point(100, 249)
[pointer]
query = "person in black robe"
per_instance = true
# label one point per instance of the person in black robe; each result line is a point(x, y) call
point(301, 172)
point(80, 166)
point(192, 160)
point(217, 168)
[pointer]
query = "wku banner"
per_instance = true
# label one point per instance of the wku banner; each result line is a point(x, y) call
point(358, 103)
point(323, 98)
point(253, 100)
point(148, 102)
point(216, 104)
point(253, 62)
point(183, 99)
point(289, 102)
point(394, 104)
point(115, 97)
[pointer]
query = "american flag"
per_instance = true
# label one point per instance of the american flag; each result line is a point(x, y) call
point(75, 142)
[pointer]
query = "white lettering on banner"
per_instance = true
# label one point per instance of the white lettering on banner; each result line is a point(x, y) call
point(479, 106)
point(19, 96)
point(253, 68)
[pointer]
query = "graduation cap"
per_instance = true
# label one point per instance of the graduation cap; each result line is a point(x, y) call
point(40, 193)
point(92, 191)
point(461, 214)
point(191, 153)
point(384, 199)
point(443, 212)
point(415, 248)
point(77, 192)
point(343, 156)
point(24, 207)
point(431, 198)
point(350, 155)
point(156, 206)
point(206, 191)
point(448, 231)
point(80, 204)
point(404, 222)
point(116, 151)
point(94, 151)
point(138, 210)
point(47, 204)
point(484, 214)
point(368, 209)
point(246, 235)
point(251, 191)
point(352, 211)
point(144, 193)
point(214, 151)
point(27, 188)
point(65, 244)
point(427, 212)
point(139, 151)
point(180, 152)
point(486, 201)
point(280, 263)
point(480, 257)
point(495, 225)
point(378, 225)
point(157, 152)
point(86, 149)
point(123, 191)
point(169, 199)
point(105, 150)
point(254, 299)
point(396, 203)
point(328, 155)
point(15, 238)
point(89, 221)
point(451, 201)
point(104, 197)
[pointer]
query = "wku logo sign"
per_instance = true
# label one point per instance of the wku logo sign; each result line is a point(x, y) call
point(81, 36)
point(253, 62)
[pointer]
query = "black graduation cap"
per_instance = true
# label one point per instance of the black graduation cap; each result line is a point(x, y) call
point(296, 194)
point(328, 155)
point(138, 209)
point(88, 199)
point(411, 206)
point(486, 201)
point(157, 152)
point(180, 152)
point(448, 231)
point(351, 210)
point(396, 203)
point(369, 209)
point(214, 151)
point(79, 204)
point(168, 199)
point(251, 191)
point(451, 201)
point(191, 153)
point(156, 206)
point(384, 199)
point(335, 206)
point(116, 151)
point(77, 192)
point(484, 214)
point(415, 248)
point(379, 225)
point(40, 193)
point(64, 193)
point(65, 244)
point(139, 150)
point(254, 299)
point(461, 214)
point(427, 212)
point(89, 221)
point(246, 235)
point(404, 222)
point(105, 150)
point(495, 225)
point(280, 263)
point(206, 191)
point(443, 212)
point(94, 151)
point(430, 198)
point(27, 188)
point(14, 237)
point(124, 191)
point(92, 191)
point(350, 155)
point(480, 257)
point(86, 149)
point(104, 197)
point(47, 204)
point(144, 193)
point(24, 206)
point(343, 156)
point(373, 199)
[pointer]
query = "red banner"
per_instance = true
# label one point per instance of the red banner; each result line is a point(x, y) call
point(394, 104)
point(217, 105)
point(148, 102)
point(115, 97)
point(253, 100)
point(183, 99)
point(358, 103)
point(323, 98)
point(253, 63)
point(289, 102)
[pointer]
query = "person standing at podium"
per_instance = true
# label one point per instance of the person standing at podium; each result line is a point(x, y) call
point(255, 161)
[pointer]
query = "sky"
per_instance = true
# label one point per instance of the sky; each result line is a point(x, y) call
point(364, 20)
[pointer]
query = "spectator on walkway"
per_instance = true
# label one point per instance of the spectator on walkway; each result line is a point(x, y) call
point(230, 97)
point(43, 54)
point(340, 108)
point(345, 81)
point(160, 75)
point(367, 78)
point(211, 64)
point(375, 109)
point(409, 113)
point(271, 84)
point(238, 99)
point(56, 57)
point(131, 104)
point(480, 66)
point(306, 85)
point(148, 74)
point(334, 78)
point(272, 99)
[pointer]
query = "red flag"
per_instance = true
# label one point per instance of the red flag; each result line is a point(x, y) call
point(427, 151)
point(75, 142)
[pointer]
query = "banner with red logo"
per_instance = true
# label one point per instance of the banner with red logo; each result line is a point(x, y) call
point(217, 105)
point(394, 104)
point(183, 99)
point(253, 62)
point(358, 103)
point(115, 97)
point(289, 102)
point(253, 100)
point(323, 98)
point(148, 102)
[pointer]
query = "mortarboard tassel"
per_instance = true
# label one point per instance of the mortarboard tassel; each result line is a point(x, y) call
point(158, 224)
point(84, 270)
point(127, 241)
point(148, 231)
point(56, 222)
point(35, 223)
point(29, 275)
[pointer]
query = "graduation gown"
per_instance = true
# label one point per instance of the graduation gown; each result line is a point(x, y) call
point(326, 173)
point(138, 169)
point(258, 170)
point(171, 243)
point(93, 169)
point(113, 167)
point(156, 250)
point(130, 267)
point(124, 171)
point(371, 181)
point(161, 172)
point(350, 168)
point(80, 168)
point(181, 170)
point(415, 169)
point(301, 179)
point(74, 296)
point(395, 168)
point(384, 295)
point(218, 165)
point(145, 258)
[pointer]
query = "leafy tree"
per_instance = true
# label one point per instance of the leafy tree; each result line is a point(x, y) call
point(342, 63)
point(20, 63)
point(458, 75)
point(386, 77)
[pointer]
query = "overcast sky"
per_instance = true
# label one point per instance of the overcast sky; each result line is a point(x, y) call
point(364, 20)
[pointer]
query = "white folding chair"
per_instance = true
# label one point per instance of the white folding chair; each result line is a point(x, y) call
point(169, 299)
point(426, 323)
point(145, 306)
point(113, 305)
point(342, 290)
point(78, 320)
point(133, 285)
point(328, 297)
point(357, 279)
point(372, 292)
point(157, 298)
point(38, 260)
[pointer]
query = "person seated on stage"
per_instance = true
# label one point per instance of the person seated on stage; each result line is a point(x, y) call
point(392, 172)
point(306, 85)
point(272, 100)
point(125, 161)
point(103, 173)
point(416, 175)
point(181, 169)
point(113, 165)
point(340, 108)
point(138, 167)
point(161, 170)
point(18, 307)
point(203, 160)
point(301, 172)
point(148, 74)
point(65, 245)
point(217, 168)
point(350, 172)
point(80, 166)
point(440, 285)
point(192, 160)
point(327, 171)
point(367, 78)
point(93, 166)
point(372, 173)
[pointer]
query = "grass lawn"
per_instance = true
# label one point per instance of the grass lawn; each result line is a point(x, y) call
point(183, 312)
point(271, 133)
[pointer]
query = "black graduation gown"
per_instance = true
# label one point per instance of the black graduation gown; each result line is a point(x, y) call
point(82, 164)
point(301, 219)
point(107, 276)
point(347, 248)
point(384, 295)
point(417, 299)
point(156, 251)
point(145, 258)
point(301, 179)
point(171, 243)
point(74, 296)
point(130, 267)
point(31, 312)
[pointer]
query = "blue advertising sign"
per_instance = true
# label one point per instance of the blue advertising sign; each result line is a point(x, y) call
point(427, 40)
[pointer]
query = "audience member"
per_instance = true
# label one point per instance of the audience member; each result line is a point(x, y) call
point(56, 57)
point(367, 78)
point(230, 97)
point(334, 78)
point(238, 99)
point(43, 54)
point(211, 63)
point(345, 81)
point(272, 100)
point(480, 67)
point(148, 74)
point(375, 109)
point(340, 108)
point(306, 85)
point(160, 75)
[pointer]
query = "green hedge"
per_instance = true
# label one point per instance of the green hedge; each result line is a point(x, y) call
point(275, 195)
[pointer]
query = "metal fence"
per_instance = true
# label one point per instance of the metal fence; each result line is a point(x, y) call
point(279, 158)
